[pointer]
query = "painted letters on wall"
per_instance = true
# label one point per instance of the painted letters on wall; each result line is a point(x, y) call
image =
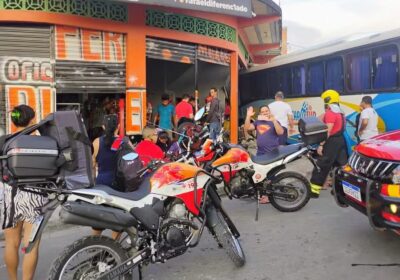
point(74, 43)
point(27, 81)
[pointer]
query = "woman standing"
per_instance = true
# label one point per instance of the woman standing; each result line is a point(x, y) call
point(105, 157)
point(20, 213)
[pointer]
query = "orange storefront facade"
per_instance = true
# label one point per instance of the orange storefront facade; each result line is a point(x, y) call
point(51, 49)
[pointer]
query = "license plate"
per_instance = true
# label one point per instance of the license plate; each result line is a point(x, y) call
point(352, 191)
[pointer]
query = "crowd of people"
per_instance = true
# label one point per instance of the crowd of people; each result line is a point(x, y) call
point(272, 125)
point(275, 121)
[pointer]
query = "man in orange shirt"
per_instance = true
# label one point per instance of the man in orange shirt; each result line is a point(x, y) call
point(184, 110)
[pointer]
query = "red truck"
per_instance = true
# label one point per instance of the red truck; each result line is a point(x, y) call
point(370, 182)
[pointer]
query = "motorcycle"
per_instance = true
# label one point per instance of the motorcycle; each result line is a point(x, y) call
point(162, 219)
point(246, 175)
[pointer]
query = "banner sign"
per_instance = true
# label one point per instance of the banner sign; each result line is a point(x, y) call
point(241, 8)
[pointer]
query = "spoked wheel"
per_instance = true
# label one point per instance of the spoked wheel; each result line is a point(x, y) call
point(294, 184)
point(228, 241)
point(88, 258)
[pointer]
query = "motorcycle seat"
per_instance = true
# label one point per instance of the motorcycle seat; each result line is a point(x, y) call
point(277, 154)
point(143, 190)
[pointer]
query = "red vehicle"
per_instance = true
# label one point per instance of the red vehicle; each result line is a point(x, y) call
point(370, 182)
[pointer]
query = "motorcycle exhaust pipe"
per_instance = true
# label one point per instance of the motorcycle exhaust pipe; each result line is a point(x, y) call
point(96, 216)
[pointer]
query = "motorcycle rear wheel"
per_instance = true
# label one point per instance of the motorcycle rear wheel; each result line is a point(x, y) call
point(296, 184)
point(103, 252)
point(228, 241)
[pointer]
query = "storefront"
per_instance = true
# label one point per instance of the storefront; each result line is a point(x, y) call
point(114, 56)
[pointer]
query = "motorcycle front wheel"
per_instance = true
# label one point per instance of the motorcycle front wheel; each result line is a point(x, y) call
point(228, 241)
point(88, 258)
point(294, 184)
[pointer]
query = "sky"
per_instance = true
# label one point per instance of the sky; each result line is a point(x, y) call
point(311, 22)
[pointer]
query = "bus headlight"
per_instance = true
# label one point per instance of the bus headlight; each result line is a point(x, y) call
point(396, 175)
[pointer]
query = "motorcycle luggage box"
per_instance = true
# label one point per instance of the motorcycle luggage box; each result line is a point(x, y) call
point(312, 130)
point(30, 156)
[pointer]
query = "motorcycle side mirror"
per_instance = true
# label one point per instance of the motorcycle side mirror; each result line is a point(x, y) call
point(200, 113)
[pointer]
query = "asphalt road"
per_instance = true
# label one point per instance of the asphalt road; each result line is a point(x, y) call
point(321, 241)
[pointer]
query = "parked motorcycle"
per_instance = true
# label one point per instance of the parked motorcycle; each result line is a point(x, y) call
point(246, 175)
point(162, 219)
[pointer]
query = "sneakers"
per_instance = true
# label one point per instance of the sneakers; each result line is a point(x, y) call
point(314, 195)
point(315, 190)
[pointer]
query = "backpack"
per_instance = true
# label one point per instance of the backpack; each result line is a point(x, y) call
point(65, 130)
point(126, 177)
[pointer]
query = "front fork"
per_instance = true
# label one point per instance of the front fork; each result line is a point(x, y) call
point(211, 212)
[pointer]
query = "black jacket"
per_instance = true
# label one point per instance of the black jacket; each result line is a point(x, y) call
point(214, 114)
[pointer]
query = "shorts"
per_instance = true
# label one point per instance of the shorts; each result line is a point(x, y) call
point(25, 206)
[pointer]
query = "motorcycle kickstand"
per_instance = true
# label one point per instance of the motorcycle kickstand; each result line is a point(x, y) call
point(140, 273)
point(258, 204)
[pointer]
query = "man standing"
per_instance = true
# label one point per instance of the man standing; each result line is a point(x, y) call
point(333, 150)
point(368, 124)
point(184, 110)
point(283, 113)
point(214, 117)
point(166, 114)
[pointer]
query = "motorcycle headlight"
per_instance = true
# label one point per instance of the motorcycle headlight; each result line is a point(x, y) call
point(396, 175)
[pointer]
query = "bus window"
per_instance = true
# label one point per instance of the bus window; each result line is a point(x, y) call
point(385, 67)
point(359, 66)
point(334, 74)
point(273, 82)
point(285, 79)
point(299, 81)
point(256, 87)
point(315, 83)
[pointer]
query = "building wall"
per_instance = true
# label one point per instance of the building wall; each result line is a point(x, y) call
point(135, 30)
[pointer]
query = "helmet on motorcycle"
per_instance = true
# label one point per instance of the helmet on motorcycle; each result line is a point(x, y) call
point(330, 96)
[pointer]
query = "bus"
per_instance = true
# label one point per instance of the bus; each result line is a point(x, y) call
point(354, 66)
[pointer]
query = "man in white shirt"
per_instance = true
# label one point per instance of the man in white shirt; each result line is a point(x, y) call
point(283, 113)
point(368, 126)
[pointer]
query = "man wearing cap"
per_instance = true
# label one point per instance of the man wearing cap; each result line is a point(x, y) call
point(368, 124)
point(284, 115)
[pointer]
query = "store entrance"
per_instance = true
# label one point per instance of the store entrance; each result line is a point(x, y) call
point(92, 107)
point(177, 79)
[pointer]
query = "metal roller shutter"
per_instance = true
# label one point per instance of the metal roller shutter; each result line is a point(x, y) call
point(25, 41)
point(91, 77)
point(26, 69)
point(89, 61)
point(168, 50)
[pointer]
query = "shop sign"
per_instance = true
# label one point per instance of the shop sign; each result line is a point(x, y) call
point(74, 43)
point(213, 55)
point(17, 70)
point(240, 8)
point(27, 81)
